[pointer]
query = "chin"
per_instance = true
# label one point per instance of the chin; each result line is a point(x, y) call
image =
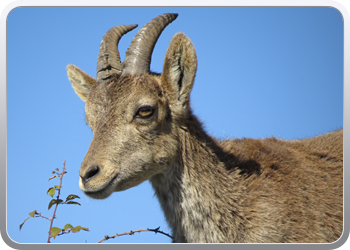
point(100, 195)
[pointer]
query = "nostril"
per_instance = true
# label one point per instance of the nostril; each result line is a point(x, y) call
point(91, 172)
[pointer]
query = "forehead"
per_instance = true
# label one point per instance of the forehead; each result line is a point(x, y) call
point(135, 85)
point(125, 88)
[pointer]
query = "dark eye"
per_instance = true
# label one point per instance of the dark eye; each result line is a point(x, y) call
point(145, 112)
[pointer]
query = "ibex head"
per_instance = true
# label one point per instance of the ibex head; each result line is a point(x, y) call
point(134, 113)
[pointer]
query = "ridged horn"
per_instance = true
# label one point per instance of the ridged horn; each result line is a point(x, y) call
point(108, 61)
point(138, 56)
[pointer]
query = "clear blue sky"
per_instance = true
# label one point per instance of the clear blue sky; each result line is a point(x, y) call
point(261, 72)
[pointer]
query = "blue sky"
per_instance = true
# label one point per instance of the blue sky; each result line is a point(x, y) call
point(261, 72)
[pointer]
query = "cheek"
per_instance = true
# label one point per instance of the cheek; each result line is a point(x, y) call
point(153, 143)
point(165, 149)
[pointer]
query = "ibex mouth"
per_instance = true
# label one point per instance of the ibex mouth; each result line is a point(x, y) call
point(103, 191)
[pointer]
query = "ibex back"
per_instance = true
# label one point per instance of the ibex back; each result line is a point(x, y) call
point(236, 190)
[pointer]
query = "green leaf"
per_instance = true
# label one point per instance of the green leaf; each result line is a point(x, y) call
point(73, 202)
point(33, 213)
point(53, 177)
point(51, 191)
point(67, 226)
point(78, 228)
point(72, 197)
point(55, 231)
point(54, 201)
point(20, 226)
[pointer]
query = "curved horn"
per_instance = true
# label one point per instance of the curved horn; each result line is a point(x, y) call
point(138, 56)
point(108, 61)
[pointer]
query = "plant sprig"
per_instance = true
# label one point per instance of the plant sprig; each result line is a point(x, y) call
point(156, 230)
point(55, 231)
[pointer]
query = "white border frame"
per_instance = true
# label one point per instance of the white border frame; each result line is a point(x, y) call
point(9, 6)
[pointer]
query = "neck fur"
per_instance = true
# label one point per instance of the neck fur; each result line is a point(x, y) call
point(188, 190)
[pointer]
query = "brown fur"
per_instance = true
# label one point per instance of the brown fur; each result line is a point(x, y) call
point(236, 190)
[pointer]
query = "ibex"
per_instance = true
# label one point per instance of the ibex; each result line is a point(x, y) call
point(238, 190)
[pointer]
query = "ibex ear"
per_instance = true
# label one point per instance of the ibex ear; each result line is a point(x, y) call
point(179, 69)
point(81, 82)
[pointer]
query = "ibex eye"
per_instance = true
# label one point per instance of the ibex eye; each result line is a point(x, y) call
point(145, 112)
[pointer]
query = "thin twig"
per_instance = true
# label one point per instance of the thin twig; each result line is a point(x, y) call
point(156, 230)
point(39, 215)
point(58, 196)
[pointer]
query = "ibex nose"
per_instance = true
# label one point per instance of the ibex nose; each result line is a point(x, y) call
point(91, 172)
